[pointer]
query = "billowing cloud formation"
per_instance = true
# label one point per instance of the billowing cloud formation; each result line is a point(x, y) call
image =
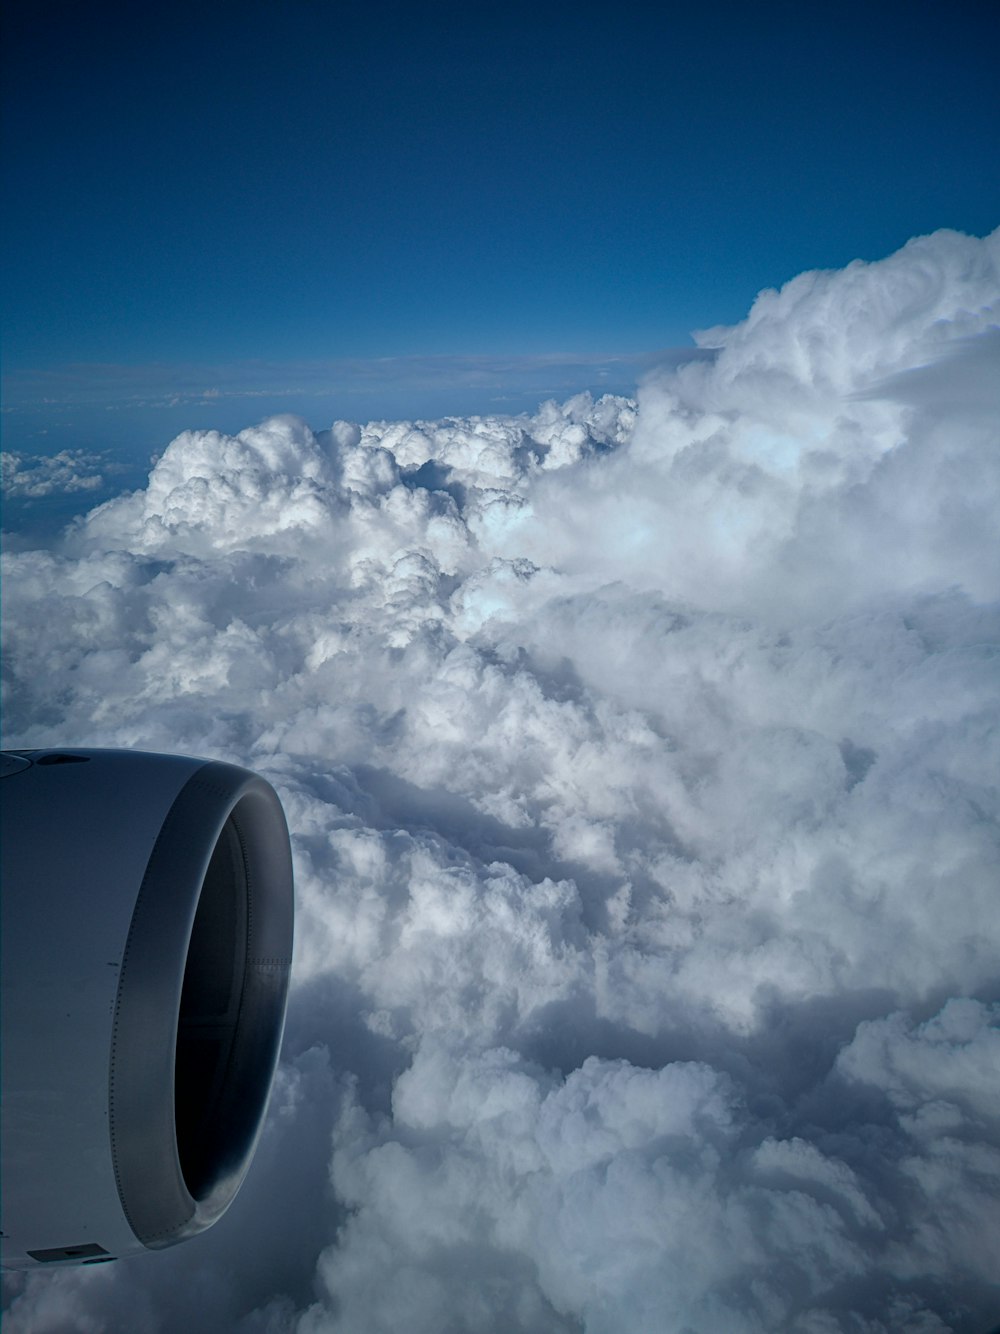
point(640, 762)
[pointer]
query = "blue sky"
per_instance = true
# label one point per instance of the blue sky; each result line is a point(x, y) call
point(284, 206)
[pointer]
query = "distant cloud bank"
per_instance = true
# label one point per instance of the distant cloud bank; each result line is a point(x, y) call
point(24, 477)
point(640, 759)
point(167, 384)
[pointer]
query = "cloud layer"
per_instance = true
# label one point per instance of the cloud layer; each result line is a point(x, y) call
point(640, 760)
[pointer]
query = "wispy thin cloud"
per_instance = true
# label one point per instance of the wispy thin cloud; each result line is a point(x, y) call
point(161, 384)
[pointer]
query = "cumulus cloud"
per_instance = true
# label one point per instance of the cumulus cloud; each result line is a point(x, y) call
point(640, 760)
point(30, 477)
point(777, 471)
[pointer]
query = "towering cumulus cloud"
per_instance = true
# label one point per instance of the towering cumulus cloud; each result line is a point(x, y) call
point(641, 765)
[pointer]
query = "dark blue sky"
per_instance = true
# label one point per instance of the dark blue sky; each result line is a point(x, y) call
point(206, 186)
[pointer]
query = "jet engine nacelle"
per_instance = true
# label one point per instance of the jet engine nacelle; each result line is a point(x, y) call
point(147, 939)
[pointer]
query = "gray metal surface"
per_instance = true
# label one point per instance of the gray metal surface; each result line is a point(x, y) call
point(104, 858)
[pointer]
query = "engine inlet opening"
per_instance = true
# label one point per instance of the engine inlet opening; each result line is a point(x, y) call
point(208, 1028)
point(232, 1001)
point(201, 1003)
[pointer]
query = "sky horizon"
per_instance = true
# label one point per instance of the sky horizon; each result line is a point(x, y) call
point(202, 197)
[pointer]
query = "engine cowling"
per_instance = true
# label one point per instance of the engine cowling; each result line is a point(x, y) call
point(147, 926)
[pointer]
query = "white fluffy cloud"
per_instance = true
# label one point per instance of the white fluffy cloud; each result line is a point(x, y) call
point(30, 477)
point(640, 761)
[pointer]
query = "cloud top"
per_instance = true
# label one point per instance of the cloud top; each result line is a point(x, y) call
point(807, 462)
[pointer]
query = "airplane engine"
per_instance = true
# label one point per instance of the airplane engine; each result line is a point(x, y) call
point(146, 941)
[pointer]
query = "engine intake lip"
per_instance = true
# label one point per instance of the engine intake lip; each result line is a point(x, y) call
point(200, 1004)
